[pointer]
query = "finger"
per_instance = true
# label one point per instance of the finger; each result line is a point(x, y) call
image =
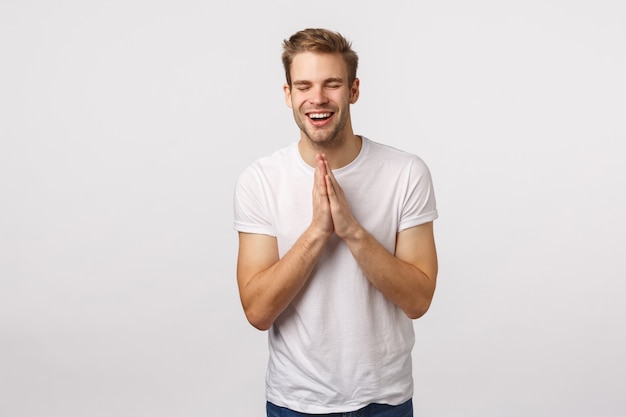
point(320, 175)
point(327, 168)
point(331, 178)
point(330, 189)
point(322, 163)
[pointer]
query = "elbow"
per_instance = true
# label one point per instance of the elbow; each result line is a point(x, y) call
point(420, 303)
point(260, 325)
point(416, 313)
point(258, 321)
point(418, 310)
point(258, 314)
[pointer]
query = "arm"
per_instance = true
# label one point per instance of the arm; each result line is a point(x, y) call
point(407, 278)
point(268, 283)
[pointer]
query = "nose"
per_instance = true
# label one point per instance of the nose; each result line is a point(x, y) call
point(318, 96)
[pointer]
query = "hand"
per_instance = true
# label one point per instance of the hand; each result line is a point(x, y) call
point(344, 223)
point(322, 218)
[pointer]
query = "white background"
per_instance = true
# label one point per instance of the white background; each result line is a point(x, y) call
point(123, 126)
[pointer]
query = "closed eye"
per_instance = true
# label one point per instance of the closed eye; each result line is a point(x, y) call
point(301, 85)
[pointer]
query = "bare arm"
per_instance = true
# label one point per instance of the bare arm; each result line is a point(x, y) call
point(407, 278)
point(268, 283)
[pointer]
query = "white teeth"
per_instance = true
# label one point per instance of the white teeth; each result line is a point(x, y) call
point(319, 115)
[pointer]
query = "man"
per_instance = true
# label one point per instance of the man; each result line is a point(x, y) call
point(336, 248)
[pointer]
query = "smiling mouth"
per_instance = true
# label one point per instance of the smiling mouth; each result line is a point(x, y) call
point(320, 116)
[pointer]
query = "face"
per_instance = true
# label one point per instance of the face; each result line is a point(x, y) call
point(320, 97)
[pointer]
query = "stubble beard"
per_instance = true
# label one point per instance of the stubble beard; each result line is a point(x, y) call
point(321, 138)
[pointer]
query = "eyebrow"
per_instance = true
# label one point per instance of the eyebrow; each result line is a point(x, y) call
point(326, 81)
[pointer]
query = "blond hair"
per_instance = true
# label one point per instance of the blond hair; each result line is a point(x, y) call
point(321, 41)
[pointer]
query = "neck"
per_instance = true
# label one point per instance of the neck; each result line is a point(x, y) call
point(338, 156)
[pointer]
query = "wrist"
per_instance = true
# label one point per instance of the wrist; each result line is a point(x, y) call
point(354, 234)
point(318, 234)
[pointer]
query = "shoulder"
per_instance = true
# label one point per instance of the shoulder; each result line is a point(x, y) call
point(270, 164)
point(391, 155)
point(280, 155)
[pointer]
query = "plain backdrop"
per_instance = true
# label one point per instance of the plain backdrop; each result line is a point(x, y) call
point(124, 124)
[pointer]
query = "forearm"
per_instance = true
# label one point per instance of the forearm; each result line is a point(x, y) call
point(401, 282)
point(268, 292)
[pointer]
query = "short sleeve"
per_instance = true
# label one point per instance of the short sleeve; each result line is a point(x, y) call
point(251, 211)
point(419, 204)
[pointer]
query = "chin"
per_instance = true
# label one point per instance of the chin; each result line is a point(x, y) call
point(328, 140)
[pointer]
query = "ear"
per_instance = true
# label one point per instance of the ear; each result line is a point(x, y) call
point(354, 91)
point(287, 91)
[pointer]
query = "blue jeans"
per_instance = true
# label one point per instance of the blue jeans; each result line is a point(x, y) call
point(372, 410)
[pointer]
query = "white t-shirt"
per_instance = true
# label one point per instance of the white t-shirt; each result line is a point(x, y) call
point(340, 345)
